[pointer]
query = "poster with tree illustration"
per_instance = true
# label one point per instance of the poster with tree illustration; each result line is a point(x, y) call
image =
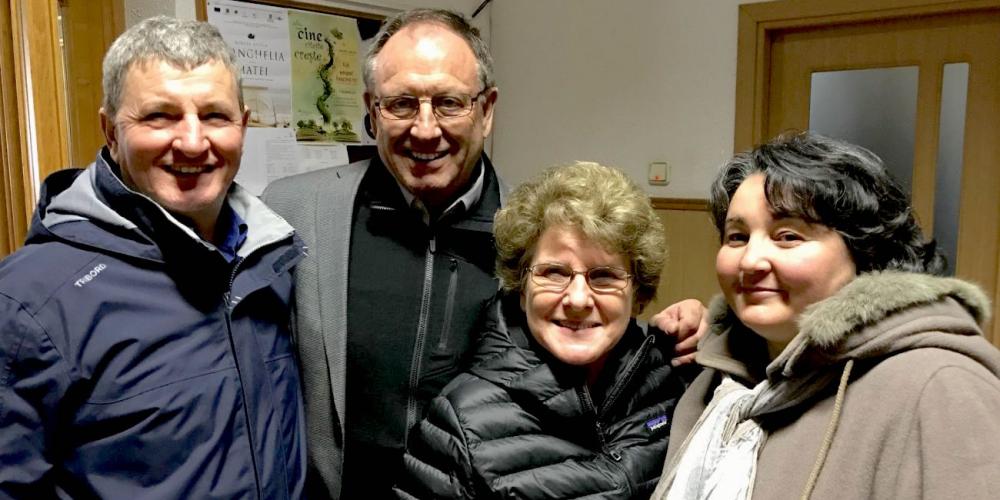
point(327, 86)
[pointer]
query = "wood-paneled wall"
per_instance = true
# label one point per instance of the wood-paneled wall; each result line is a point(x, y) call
point(692, 244)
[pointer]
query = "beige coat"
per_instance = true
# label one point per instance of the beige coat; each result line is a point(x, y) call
point(920, 413)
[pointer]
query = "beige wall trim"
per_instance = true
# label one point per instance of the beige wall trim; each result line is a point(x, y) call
point(680, 204)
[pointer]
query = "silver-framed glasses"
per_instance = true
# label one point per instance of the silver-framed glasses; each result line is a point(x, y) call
point(557, 277)
point(406, 107)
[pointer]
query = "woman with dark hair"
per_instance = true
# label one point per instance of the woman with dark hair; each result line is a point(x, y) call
point(567, 396)
point(838, 364)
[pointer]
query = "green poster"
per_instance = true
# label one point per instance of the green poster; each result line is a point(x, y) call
point(327, 86)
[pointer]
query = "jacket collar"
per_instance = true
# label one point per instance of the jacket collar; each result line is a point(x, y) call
point(853, 324)
point(508, 356)
point(380, 188)
point(133, 223)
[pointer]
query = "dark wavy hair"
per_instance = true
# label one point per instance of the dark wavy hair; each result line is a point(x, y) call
point(840, 185)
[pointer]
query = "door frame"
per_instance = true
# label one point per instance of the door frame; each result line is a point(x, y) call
point(32, 91)
point(36, 129)
point(759, 21)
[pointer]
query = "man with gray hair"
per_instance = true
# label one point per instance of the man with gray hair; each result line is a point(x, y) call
point(401, 251)
point(144, 327)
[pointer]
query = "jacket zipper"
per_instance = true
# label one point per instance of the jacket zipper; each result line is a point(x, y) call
point(630, 369)
point(613, 395)
point(230, 306)
point(449, 305)
point(418, 343)
point(588, 406)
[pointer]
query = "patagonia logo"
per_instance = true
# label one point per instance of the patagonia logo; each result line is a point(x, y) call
point(656, 423)
point(86, 278)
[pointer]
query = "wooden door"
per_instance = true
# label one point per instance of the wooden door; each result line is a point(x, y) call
point(88, 28)
point(783, 43)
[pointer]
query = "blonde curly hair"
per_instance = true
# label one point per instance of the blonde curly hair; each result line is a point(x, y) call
point(602, 203)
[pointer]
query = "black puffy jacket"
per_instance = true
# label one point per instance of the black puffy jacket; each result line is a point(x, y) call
point(521, 424)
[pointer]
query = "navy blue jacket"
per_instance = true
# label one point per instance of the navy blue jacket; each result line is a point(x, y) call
point(136, 362)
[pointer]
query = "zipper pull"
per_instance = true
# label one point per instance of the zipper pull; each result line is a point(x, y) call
point(617, 457)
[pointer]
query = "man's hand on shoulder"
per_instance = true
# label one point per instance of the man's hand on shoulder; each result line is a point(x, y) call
point(686, 321)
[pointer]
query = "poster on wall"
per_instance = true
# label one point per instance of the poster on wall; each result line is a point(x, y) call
point(259, 37)
point(326, 78)
point(302, 82)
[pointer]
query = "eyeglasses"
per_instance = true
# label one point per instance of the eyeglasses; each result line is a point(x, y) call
point(557, 277)
point(405, 107)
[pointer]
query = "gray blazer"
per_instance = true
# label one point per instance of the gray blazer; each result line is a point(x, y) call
point(319, 206)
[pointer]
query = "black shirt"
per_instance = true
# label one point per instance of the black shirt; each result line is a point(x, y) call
point(412, 288)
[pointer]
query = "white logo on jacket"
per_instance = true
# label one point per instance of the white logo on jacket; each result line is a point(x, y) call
point(86, 278)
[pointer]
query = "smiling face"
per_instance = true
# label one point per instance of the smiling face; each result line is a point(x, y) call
point(178, 137)
point(771, 268)
point(577, 325)
point(432, 157)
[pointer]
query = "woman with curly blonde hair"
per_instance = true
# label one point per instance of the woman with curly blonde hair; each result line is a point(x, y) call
point(567, 395)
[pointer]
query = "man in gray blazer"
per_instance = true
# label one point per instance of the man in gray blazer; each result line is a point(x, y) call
point(401, 251)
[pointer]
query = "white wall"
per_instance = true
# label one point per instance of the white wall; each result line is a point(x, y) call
point(389, 7)
point(623, 83)
point(137, 10)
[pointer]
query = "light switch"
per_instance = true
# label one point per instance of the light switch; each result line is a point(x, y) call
point(659, 173)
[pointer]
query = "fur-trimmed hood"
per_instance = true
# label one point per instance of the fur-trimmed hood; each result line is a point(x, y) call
point(886, 379)
point(875, 315)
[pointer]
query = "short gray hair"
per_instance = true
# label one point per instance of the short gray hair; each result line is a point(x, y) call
point(183, 44)
point(455, 22)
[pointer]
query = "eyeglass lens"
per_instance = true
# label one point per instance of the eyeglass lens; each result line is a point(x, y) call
point(558, 276)
point(445, 106)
